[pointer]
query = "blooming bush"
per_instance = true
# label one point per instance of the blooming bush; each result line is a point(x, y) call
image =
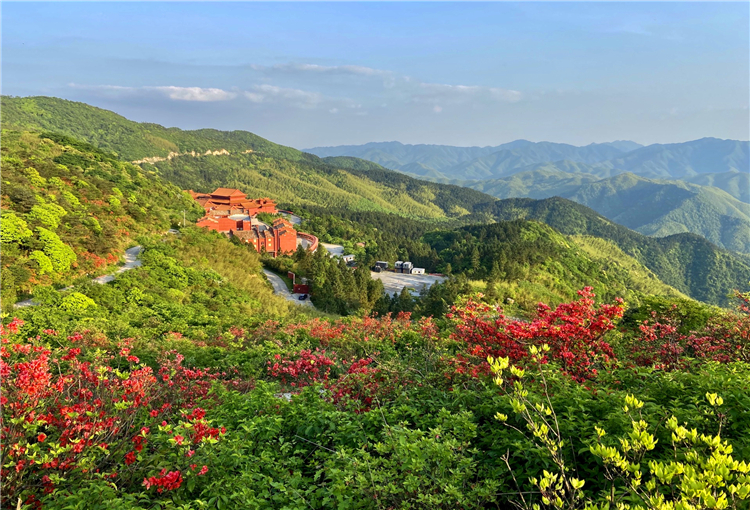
point(70, 416)
point(353, 385)
point(306, 368)
point(724, 339)
point(362, 385)
point(573, 331)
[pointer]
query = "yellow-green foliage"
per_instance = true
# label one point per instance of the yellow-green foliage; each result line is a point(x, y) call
point(64, 211)
point(238, 265)
point(703, 473)
point(296, 182)
point(617, 264)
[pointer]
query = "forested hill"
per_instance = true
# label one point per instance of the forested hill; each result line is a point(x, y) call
point(687, 262)
point(127, 139)
point(661, 208)
point(253, 164)
point(70, 209)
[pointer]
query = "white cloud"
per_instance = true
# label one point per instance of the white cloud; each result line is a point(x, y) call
point(288, 85)
point(195, 93)
point(439, 92)
point(172, 92)
point(292, 97)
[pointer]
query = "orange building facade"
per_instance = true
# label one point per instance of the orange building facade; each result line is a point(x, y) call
point(229, 201)
point(231, 212)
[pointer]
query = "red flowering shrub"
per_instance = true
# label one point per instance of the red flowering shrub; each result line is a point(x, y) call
point(307, 368)
point(361, 386)
point(574, 332)
point(725, 338)
point(355, 389)
point(660, 344)
point(66, 419)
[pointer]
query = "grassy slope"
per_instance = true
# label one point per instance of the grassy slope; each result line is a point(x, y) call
point(286, 174)
point(685, 261)
point(95, 204)
point(662, 208)
point(128, 139)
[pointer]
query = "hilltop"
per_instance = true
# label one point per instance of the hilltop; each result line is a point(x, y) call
point(251, 162)
point(685, 261)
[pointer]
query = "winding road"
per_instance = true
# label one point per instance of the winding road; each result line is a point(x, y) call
point(280, 289)
point(131, 261)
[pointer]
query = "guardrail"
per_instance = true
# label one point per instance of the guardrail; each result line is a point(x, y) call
point(309, 238)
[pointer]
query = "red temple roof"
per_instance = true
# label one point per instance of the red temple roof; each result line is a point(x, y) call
point(227, 192)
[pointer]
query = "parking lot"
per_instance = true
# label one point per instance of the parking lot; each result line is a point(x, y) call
point(394, 282)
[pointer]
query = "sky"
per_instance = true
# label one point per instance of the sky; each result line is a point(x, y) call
point(321, 74)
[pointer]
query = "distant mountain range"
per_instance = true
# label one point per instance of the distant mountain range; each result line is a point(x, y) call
point(707, 161)
point(450, 162)
point(702, 186)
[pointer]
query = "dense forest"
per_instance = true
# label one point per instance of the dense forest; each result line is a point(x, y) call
point(69, 210)
point(685, 261)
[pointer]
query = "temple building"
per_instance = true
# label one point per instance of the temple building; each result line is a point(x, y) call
point(230, 211)
point(229, 201)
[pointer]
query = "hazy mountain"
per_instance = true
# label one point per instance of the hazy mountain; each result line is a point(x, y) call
point(666, 161)
point(687, 262)
point(474, 162)
point(685, 160)
point(662, 208)
point(396, 156)
point(624, 145)
point(507, 162)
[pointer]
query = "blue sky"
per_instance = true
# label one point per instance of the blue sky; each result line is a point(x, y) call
point(309, 74)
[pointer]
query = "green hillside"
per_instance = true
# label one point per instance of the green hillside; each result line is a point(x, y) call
point(543, 182)
point(125, 138)
point(534, 262)
point(253, 164)
point(735, 183)
point(70, 209)
point(685, 261)
point(662, 208)
point(652, 207)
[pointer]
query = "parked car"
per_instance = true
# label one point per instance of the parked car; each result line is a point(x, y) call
point(303, 297)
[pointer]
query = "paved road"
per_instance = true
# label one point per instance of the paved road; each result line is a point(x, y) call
point(280, 289)
point(394, 282)
point(131, 261)
point(293, 218)
point(334, 249)
point(303, 242)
